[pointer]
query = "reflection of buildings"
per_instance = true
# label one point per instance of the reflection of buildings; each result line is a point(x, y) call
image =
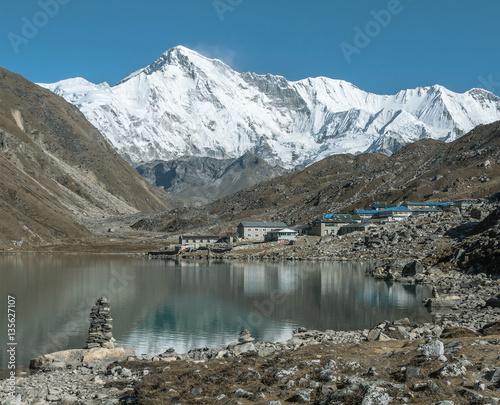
point(287, 279)
point(255, 279)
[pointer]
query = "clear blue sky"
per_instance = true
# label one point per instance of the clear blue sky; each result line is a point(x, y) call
point(403, 43)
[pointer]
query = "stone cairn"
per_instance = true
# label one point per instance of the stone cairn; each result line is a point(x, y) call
point(101, 324)
point(245, 337)
point(244, 343)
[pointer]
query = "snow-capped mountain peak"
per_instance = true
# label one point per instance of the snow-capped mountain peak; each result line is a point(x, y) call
point(179, 56)
point(185, 104)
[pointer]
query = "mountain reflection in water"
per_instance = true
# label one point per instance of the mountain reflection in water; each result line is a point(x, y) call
point(160, 304)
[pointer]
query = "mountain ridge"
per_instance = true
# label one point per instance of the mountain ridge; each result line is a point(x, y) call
point(57, 170)
point(202, 180)
point(185, 104)
point(425, 170)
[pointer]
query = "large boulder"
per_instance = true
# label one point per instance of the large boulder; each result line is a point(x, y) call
point(494, 376)
point(243, 348)
point(492, 328)
point(107, 356)
point(412, 269)
point(434, 348)
point(76, 357)
point(452, 370)
point(376, 396)
point(68, 357)
point(494, 302)
point(443, 302)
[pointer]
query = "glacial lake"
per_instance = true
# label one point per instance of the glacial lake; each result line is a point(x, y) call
point(157, 304)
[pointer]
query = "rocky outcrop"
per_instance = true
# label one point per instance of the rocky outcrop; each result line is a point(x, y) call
point(481, 251)
point(77, 357)
point(204, 179)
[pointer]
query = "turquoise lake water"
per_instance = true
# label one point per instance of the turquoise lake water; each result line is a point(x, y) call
point(158, 304)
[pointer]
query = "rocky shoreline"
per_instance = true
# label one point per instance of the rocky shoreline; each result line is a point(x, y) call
point(394, 362)
point(466, 322)
point(455, 358)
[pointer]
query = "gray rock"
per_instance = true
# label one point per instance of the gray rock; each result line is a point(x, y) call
point(476, 213)
point(452, 347)
point(494, 376)
point(243, 348)
point(402, 322)
point(302, 396)
point(412, 269)
point(433, 386)
point(193, 177)
point(127, 373)
point(68, 400)
point(479, 386)
point(101, 325)
point(253, 375)
point(264, 351)
point(493, 302)
point(196, 390)
point(376, 396)
point(57, 366)
point(70, 357)
point(383, 337)
point(76, 357)
point(13, 401)
point(452, 370)
point(243, 394)
point(444, 302)
point(412, 372)
point(373, 334)
point(433, 349)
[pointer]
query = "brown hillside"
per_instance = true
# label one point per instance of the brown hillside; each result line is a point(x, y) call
point(424, 170)
point(56, 168)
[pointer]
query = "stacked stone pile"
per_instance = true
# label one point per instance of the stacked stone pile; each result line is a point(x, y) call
point(245, 337)
point(101, 325)
point(245, 343)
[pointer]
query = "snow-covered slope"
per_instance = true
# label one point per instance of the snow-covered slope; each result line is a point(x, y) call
point(185, 104)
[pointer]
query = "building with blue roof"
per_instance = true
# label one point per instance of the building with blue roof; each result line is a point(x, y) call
point(394, 213)
point(365, 214)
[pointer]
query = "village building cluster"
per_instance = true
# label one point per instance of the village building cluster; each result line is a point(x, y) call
point(331, 224)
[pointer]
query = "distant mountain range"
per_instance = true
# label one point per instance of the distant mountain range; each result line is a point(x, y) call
point(468, 167)
point(201, 180)
point(185, 104)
